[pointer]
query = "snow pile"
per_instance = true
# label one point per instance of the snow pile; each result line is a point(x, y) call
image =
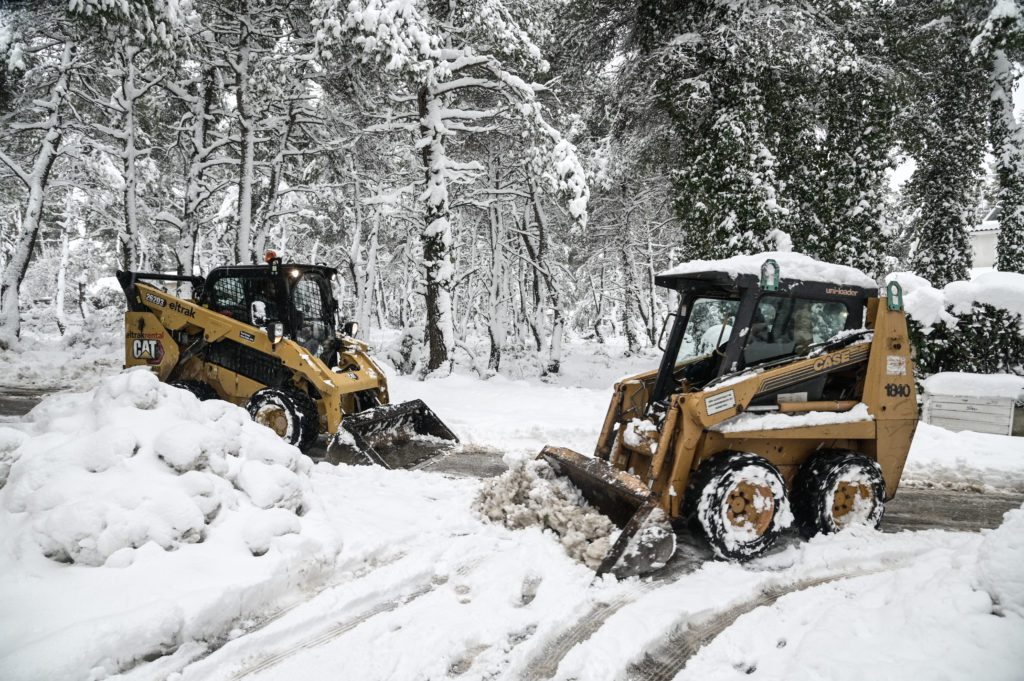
point(135, 517)
point(530, 494)
point(138, 461)
point(777, 421)
point(941, 458)
point(791, 266)
point(930, 306)
point(1000, 558)
point(975, 385)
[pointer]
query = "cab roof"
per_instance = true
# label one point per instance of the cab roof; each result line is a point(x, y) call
point(228, 270)
point(796, 271)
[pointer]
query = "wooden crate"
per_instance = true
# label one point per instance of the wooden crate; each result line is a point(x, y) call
point(980, 414)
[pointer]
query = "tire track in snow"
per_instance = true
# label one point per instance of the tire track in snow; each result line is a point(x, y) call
point(545, 663)
point(336, 631)
point(688, 637)
point(688, 558)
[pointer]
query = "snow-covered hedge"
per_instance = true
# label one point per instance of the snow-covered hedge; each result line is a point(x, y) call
point(103, 473)
point(974, 326)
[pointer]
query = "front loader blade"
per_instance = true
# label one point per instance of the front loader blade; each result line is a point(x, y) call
point(391, 435)
point(647, 540)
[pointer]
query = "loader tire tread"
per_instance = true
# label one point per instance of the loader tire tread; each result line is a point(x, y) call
point(201, 390)
point(820, 474)
point(301, 408)
point(713, 476)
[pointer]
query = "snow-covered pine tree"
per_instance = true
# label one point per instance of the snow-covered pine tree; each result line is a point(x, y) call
point(944, 131)
point(1001, 44)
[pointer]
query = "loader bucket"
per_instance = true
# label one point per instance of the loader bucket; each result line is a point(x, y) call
point(391, 435)
point(647, 540)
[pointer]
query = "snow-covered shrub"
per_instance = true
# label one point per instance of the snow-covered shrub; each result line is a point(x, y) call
point(974, 326)
point(136, 461)
point(105, 293)
point(404, 354)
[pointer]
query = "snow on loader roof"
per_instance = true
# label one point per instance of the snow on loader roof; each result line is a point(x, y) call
point(793, 266)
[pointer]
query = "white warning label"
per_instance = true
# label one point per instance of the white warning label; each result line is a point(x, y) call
point(720, 402)
point(895, 365)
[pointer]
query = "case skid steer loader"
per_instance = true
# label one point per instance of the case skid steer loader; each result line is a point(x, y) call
point(270, 338)
point(770, 390)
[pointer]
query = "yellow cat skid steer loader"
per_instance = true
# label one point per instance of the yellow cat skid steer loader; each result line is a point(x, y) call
point(270, 338)
point(770, 390)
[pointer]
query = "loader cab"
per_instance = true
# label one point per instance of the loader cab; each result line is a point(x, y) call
point(298, 297)
point(726, 324)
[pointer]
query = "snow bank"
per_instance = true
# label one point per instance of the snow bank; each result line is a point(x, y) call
point(529, 494)
point(113, 502)
point(975, 385)
point(939, 457)
point(791, 266)
point(999, 564)
point(776, 421)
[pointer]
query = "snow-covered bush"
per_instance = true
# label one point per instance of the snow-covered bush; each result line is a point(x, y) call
point(105, 293)
point(974, 326)
point(136, 461)
point(405, 353)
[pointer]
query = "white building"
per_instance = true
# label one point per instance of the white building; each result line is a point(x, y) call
point(983, 240)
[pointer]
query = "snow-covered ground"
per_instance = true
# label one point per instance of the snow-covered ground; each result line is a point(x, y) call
point(222, 554)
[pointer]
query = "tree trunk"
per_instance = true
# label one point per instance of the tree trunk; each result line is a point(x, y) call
point(62, 269)
point(129, 235)
point(1008, 143)
point(200, 103)
point(247, 139)
point(269, 199)
point(36, 182)
point(554, 297)
point(436, 237)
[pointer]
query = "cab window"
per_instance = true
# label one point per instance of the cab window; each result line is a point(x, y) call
point(709, 325)
point(783, 326)
point(312, 312)
point(234, 296)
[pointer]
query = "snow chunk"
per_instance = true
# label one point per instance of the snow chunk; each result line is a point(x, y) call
point(791, 266)
point(637, 433)
point(531, 494)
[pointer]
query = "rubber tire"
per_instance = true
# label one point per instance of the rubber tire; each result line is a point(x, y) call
point(198, 388)
point(815, 483)
point(300, 409)
point(718, 474)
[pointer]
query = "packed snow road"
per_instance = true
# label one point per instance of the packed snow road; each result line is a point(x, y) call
point(252, 564)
